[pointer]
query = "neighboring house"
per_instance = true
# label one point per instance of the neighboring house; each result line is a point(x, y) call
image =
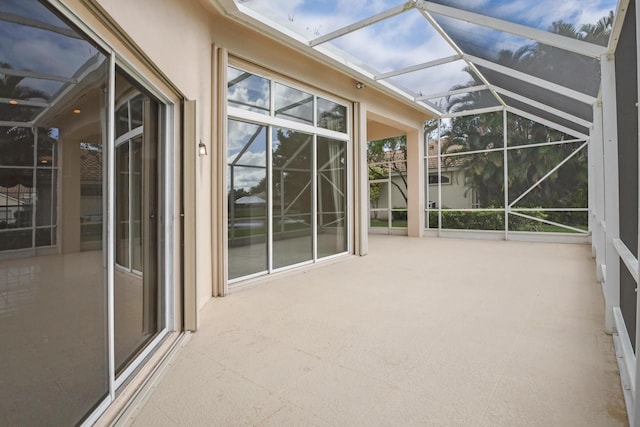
point(11, 200)
point(454, 193)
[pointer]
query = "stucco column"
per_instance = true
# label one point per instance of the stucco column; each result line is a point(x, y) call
point(361, 181)
point(415, 183)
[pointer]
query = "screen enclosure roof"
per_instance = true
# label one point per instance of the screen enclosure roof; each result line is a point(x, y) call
point(537, 58)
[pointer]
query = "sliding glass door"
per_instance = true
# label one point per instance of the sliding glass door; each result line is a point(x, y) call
point(287, 176)
point(82, 294)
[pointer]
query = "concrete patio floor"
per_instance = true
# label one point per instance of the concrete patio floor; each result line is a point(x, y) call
point(421, 332)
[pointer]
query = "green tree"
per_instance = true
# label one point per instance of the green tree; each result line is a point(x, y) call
point(393, 152)
point(484, 173)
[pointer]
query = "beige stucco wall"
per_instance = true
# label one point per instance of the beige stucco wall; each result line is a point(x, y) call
point(177, 37)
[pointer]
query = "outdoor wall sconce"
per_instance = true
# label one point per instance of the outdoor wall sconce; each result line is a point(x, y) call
point(360, 85)
point(202, 149)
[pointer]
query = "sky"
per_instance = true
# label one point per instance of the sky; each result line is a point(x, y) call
point(408, 39)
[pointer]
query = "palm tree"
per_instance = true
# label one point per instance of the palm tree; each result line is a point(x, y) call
point(484, 172)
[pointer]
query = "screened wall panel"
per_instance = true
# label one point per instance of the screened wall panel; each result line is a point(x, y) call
point(627, 110)
point(547, 176)
point(537, 59)
point(538, 94)
point(546, 115)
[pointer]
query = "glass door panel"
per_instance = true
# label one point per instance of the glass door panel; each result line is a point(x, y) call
point(292, 154)
point(54, 366)
point(137, 299)
point(247, 193)
point(332, 196)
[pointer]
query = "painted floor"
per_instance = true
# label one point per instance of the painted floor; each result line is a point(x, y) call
point(421, 332)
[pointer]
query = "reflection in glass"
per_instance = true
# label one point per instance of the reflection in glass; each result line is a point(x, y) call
point(122, 205)
point(16, 145)
point(332, 196)
point(247, 178)
point(91, 193)
point(279, 170)
point(332, 116)
point(53, 297)
point(16, 197)
point(137, 313)
point(293, 104)
point(292, 197)
point(45, 197)
point(248, 91)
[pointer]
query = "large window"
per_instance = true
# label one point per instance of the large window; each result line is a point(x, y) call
point(286, 175)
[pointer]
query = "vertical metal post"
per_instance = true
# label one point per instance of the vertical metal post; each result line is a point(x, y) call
point(361, 175)
point(270, 199)
point(596, 142)
point(111, 202)
point(636, 400)
point(439, 159)
point(425, 159)
point(611, 213)
point(505, 163)
point(314, 195)
point(33, 199)
point(389, 198)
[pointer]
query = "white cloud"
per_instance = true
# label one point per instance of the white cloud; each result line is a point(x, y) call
point(239, 134)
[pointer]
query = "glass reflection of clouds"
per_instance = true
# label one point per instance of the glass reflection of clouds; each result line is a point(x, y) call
point(248, 91)
point(247, 153)
point(332, 115)
point(31, 9)
point(293, 104)
point(51, 53)
point(55, 52)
